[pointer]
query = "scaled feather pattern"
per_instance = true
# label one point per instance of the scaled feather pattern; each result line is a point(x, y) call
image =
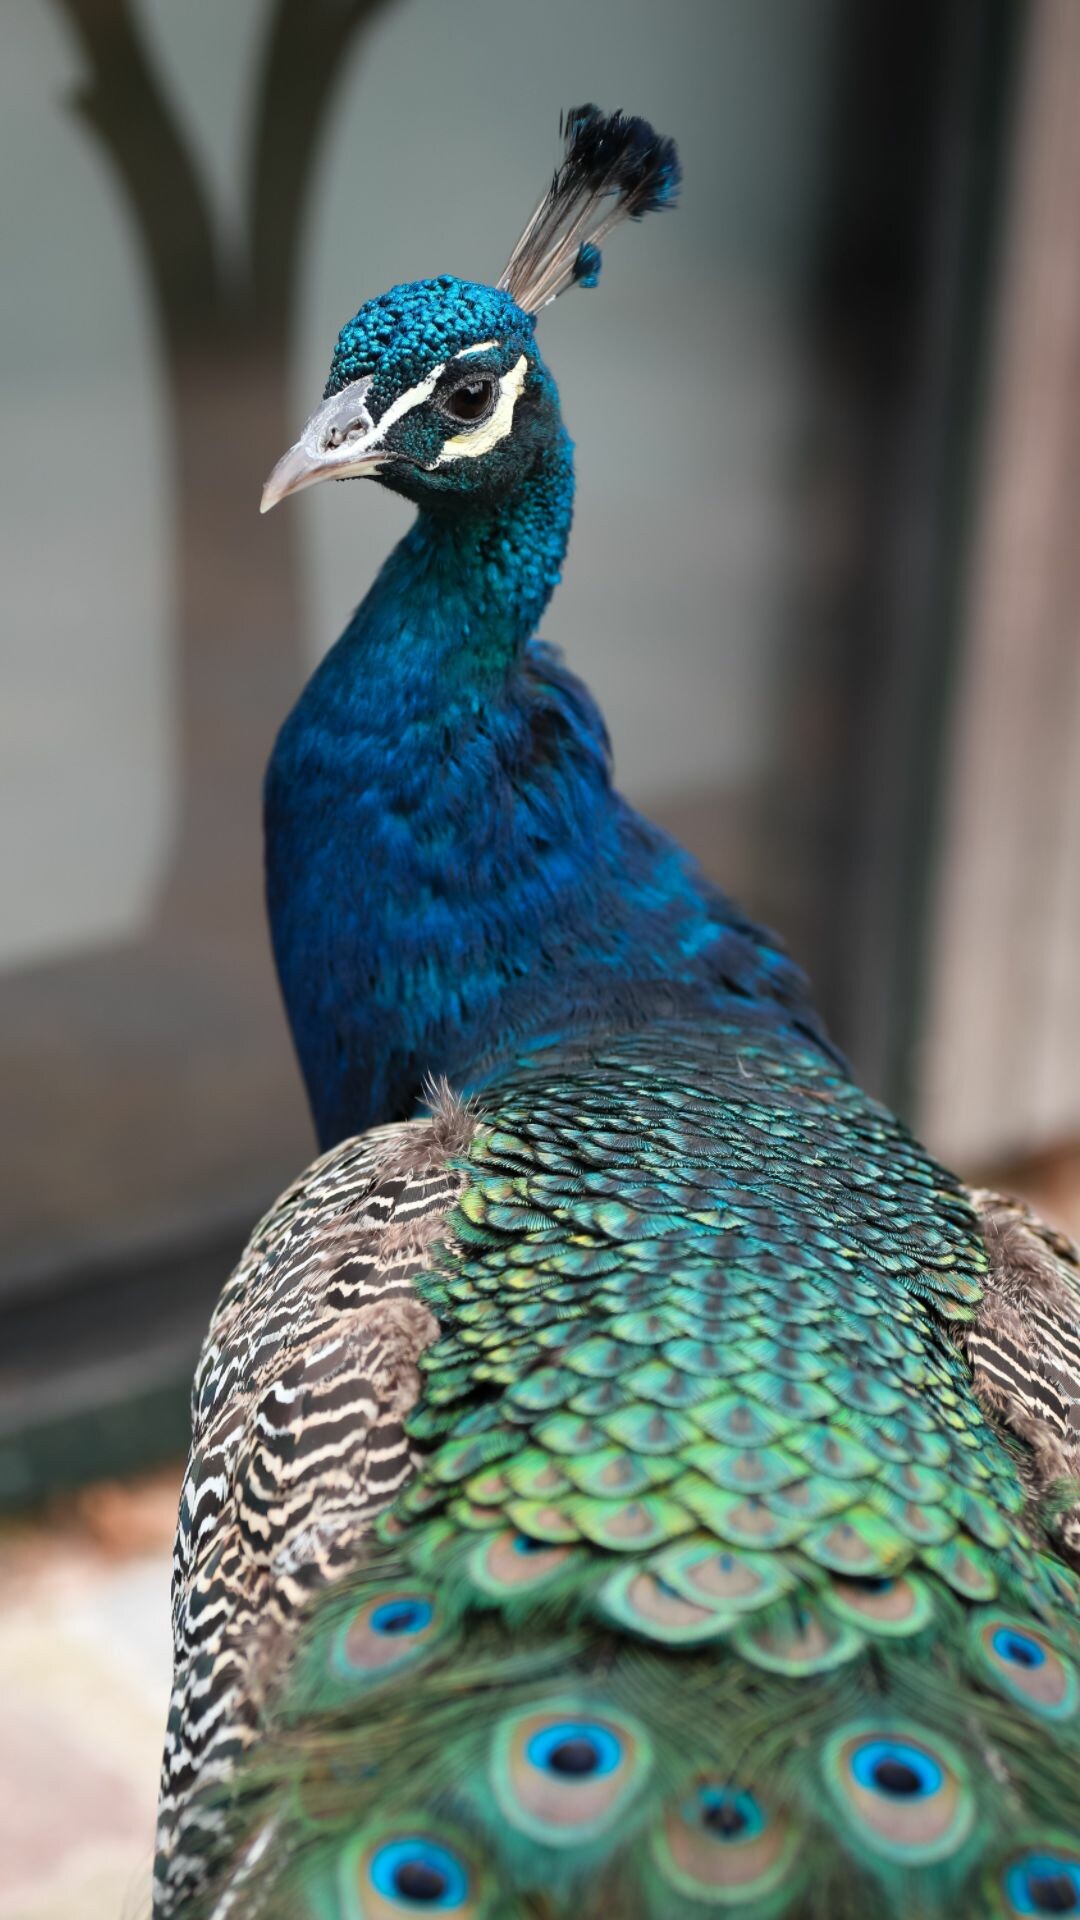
point(715, 1585)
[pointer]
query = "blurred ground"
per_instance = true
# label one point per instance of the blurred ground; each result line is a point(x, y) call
point(84, 1674)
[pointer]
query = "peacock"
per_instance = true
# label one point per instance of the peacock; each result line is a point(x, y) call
point(629, 1476)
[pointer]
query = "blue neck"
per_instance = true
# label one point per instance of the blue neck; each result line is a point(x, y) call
point(450, 874)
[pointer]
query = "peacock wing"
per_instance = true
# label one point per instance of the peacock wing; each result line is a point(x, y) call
point(299, 1442)
point(1024, 1351)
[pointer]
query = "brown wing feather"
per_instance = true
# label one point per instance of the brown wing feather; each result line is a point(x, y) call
point(298, 1438)
point(1024, 1350)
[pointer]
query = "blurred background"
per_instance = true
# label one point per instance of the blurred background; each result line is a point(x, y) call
point(824, 579)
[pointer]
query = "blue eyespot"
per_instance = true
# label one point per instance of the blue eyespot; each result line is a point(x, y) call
point(575, 1749)
point(1044, 1883)
point(523, 1544)
point(402, 1616)
point(1019, 1648)
point(728, 1814)
point(897, 1769)
point(420, 1873)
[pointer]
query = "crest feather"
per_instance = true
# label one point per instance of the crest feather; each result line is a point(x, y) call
point(614, 167)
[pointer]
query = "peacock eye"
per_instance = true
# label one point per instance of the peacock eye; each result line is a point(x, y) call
point(470, 400)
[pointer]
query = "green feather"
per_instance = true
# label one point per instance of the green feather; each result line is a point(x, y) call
point(725, 1599)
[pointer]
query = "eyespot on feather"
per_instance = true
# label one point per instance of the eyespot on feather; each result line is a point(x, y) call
point(723, 1846)
point(563, 1773)
point(903, 1792)
point(893, 1608)
point(644, 1603)
point(513, 1562)
point(966, 1566)
point(728, 1579)
point(1016, 1656)
point(1042, 1879)
point(807, 1641)
point(383, 1635)
point(408, 1872)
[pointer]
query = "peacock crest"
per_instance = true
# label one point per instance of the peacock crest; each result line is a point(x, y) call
point(614, 167)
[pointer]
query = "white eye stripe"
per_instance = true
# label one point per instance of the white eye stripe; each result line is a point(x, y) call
point(415, 396)
point(480, 439)
point(405, 402)
point(461, 446)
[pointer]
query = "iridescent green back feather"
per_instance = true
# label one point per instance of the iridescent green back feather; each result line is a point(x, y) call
point(717, 1592)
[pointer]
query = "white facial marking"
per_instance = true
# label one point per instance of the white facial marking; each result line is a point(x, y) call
point(405, 402)
point(363, 449)
point(331, 446)
point(477, 440)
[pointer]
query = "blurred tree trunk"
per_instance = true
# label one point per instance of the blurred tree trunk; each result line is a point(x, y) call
point(225, 325)
point(899, 321)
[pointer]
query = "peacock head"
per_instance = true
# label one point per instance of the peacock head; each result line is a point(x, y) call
point(437, 389)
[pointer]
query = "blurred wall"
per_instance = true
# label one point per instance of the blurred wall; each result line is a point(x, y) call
point(1000, 1046)
point(820, 573)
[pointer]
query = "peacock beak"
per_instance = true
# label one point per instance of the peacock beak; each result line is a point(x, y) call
point(340, 442)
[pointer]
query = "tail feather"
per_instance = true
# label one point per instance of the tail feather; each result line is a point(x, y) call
point(487, 1765)
point(715, 1591)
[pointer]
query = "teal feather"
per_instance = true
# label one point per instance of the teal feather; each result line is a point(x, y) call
point(778, 1642)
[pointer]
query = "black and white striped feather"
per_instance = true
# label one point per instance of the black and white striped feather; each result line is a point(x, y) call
point(298, 1440)
point(1024, 1351)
